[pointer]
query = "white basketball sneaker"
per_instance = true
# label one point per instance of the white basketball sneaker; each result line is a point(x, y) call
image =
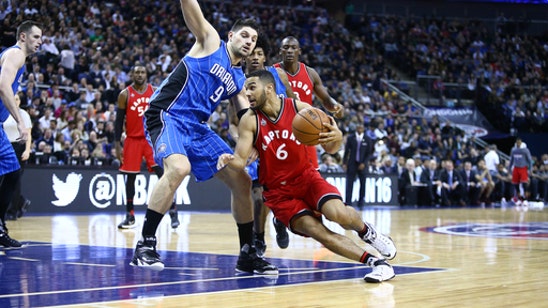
point(382, 243)
point(518, 204)
point(381, 271)
point(525, 205)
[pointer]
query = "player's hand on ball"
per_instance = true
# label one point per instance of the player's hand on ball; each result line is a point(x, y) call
point(223, 160)
point(338, 112)
point(334, 133)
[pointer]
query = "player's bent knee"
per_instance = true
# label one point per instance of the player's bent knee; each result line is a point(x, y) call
point(235, 179)
point(176, 167)
point(176, 174)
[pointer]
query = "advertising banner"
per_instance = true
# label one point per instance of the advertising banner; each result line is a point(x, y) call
point(469, 119)
point(70, 190)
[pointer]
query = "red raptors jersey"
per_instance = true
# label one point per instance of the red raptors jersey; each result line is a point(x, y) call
point(301, 83)
point(137, 104)
point(303, 87)
point(281, 155)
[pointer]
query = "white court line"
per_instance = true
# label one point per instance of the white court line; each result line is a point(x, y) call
point(424, 258)
point(89, 264)
point(192, 268)
point(290, 271)
point(38, 245)
point(25, 259)
point(165, 283)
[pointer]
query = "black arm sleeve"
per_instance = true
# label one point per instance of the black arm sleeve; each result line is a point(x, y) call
point(241, 113)
point(119, 125)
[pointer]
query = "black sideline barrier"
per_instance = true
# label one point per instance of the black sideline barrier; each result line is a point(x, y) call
point(68, 189)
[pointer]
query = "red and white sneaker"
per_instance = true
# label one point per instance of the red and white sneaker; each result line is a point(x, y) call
point(518, 204)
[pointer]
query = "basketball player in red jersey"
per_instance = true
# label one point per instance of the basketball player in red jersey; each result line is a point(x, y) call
point(132, 104)
point(294, 191)
point(257, 61)
point(306, 82)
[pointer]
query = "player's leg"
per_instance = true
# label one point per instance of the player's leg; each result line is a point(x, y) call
point(516, 184)
point(129, 221)
point(239, 183)
point(342, 245)
point(524, 179)
point(176, 168)
point(329, 202)
point(260, 212)
point(9, 175)
point(7, 185)
point(131, 166)
point(173, 215)
point(349, 219)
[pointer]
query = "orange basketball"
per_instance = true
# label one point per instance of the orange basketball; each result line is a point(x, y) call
point(308, 124)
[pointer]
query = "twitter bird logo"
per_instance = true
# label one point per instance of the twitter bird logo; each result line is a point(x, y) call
point(66, 191)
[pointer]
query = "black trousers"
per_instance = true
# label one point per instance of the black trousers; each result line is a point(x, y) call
point(351, 173)
point(17, 200)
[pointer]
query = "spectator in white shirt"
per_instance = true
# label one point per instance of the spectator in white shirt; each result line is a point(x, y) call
point(68, 59)
point(44, 121)
point(492, 159)
point(380, 132)
point(49, 46)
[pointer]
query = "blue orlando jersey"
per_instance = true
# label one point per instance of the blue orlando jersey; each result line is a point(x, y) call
point(197, 85)
point(280, 86)
point(4, 113)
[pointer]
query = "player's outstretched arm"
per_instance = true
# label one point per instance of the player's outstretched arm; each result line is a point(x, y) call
point(321, 92)
point(207, 38)
point(119, 124)
point(244, 146)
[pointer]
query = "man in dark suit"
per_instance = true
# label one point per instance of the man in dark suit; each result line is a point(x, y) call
point(452, 192)
point(407, 193)
point(409, 184)
point(431, 178)
point(423, 188)
point(470, 184)
point(357, 151)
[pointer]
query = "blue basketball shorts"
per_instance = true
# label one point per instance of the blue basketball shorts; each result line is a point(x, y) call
point(8, 159)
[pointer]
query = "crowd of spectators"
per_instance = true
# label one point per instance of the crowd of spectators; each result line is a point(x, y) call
point(71, 85)
point(506, 71)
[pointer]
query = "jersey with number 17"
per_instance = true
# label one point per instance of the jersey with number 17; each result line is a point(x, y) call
point(136, 105)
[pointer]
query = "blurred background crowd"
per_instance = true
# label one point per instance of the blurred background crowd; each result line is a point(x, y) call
point(72, 84)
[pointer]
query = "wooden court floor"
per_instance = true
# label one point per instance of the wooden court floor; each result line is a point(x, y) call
point(471, 257)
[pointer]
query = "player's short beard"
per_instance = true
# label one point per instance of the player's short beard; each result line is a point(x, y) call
point(140, 83)
point(261, 99)
point(239, 54)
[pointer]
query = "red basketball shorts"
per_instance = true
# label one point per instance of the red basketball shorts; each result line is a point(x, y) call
point(301, 195)
point(519, 175)
point(135, 150)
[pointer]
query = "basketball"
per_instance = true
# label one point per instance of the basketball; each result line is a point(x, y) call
point(308, 124)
